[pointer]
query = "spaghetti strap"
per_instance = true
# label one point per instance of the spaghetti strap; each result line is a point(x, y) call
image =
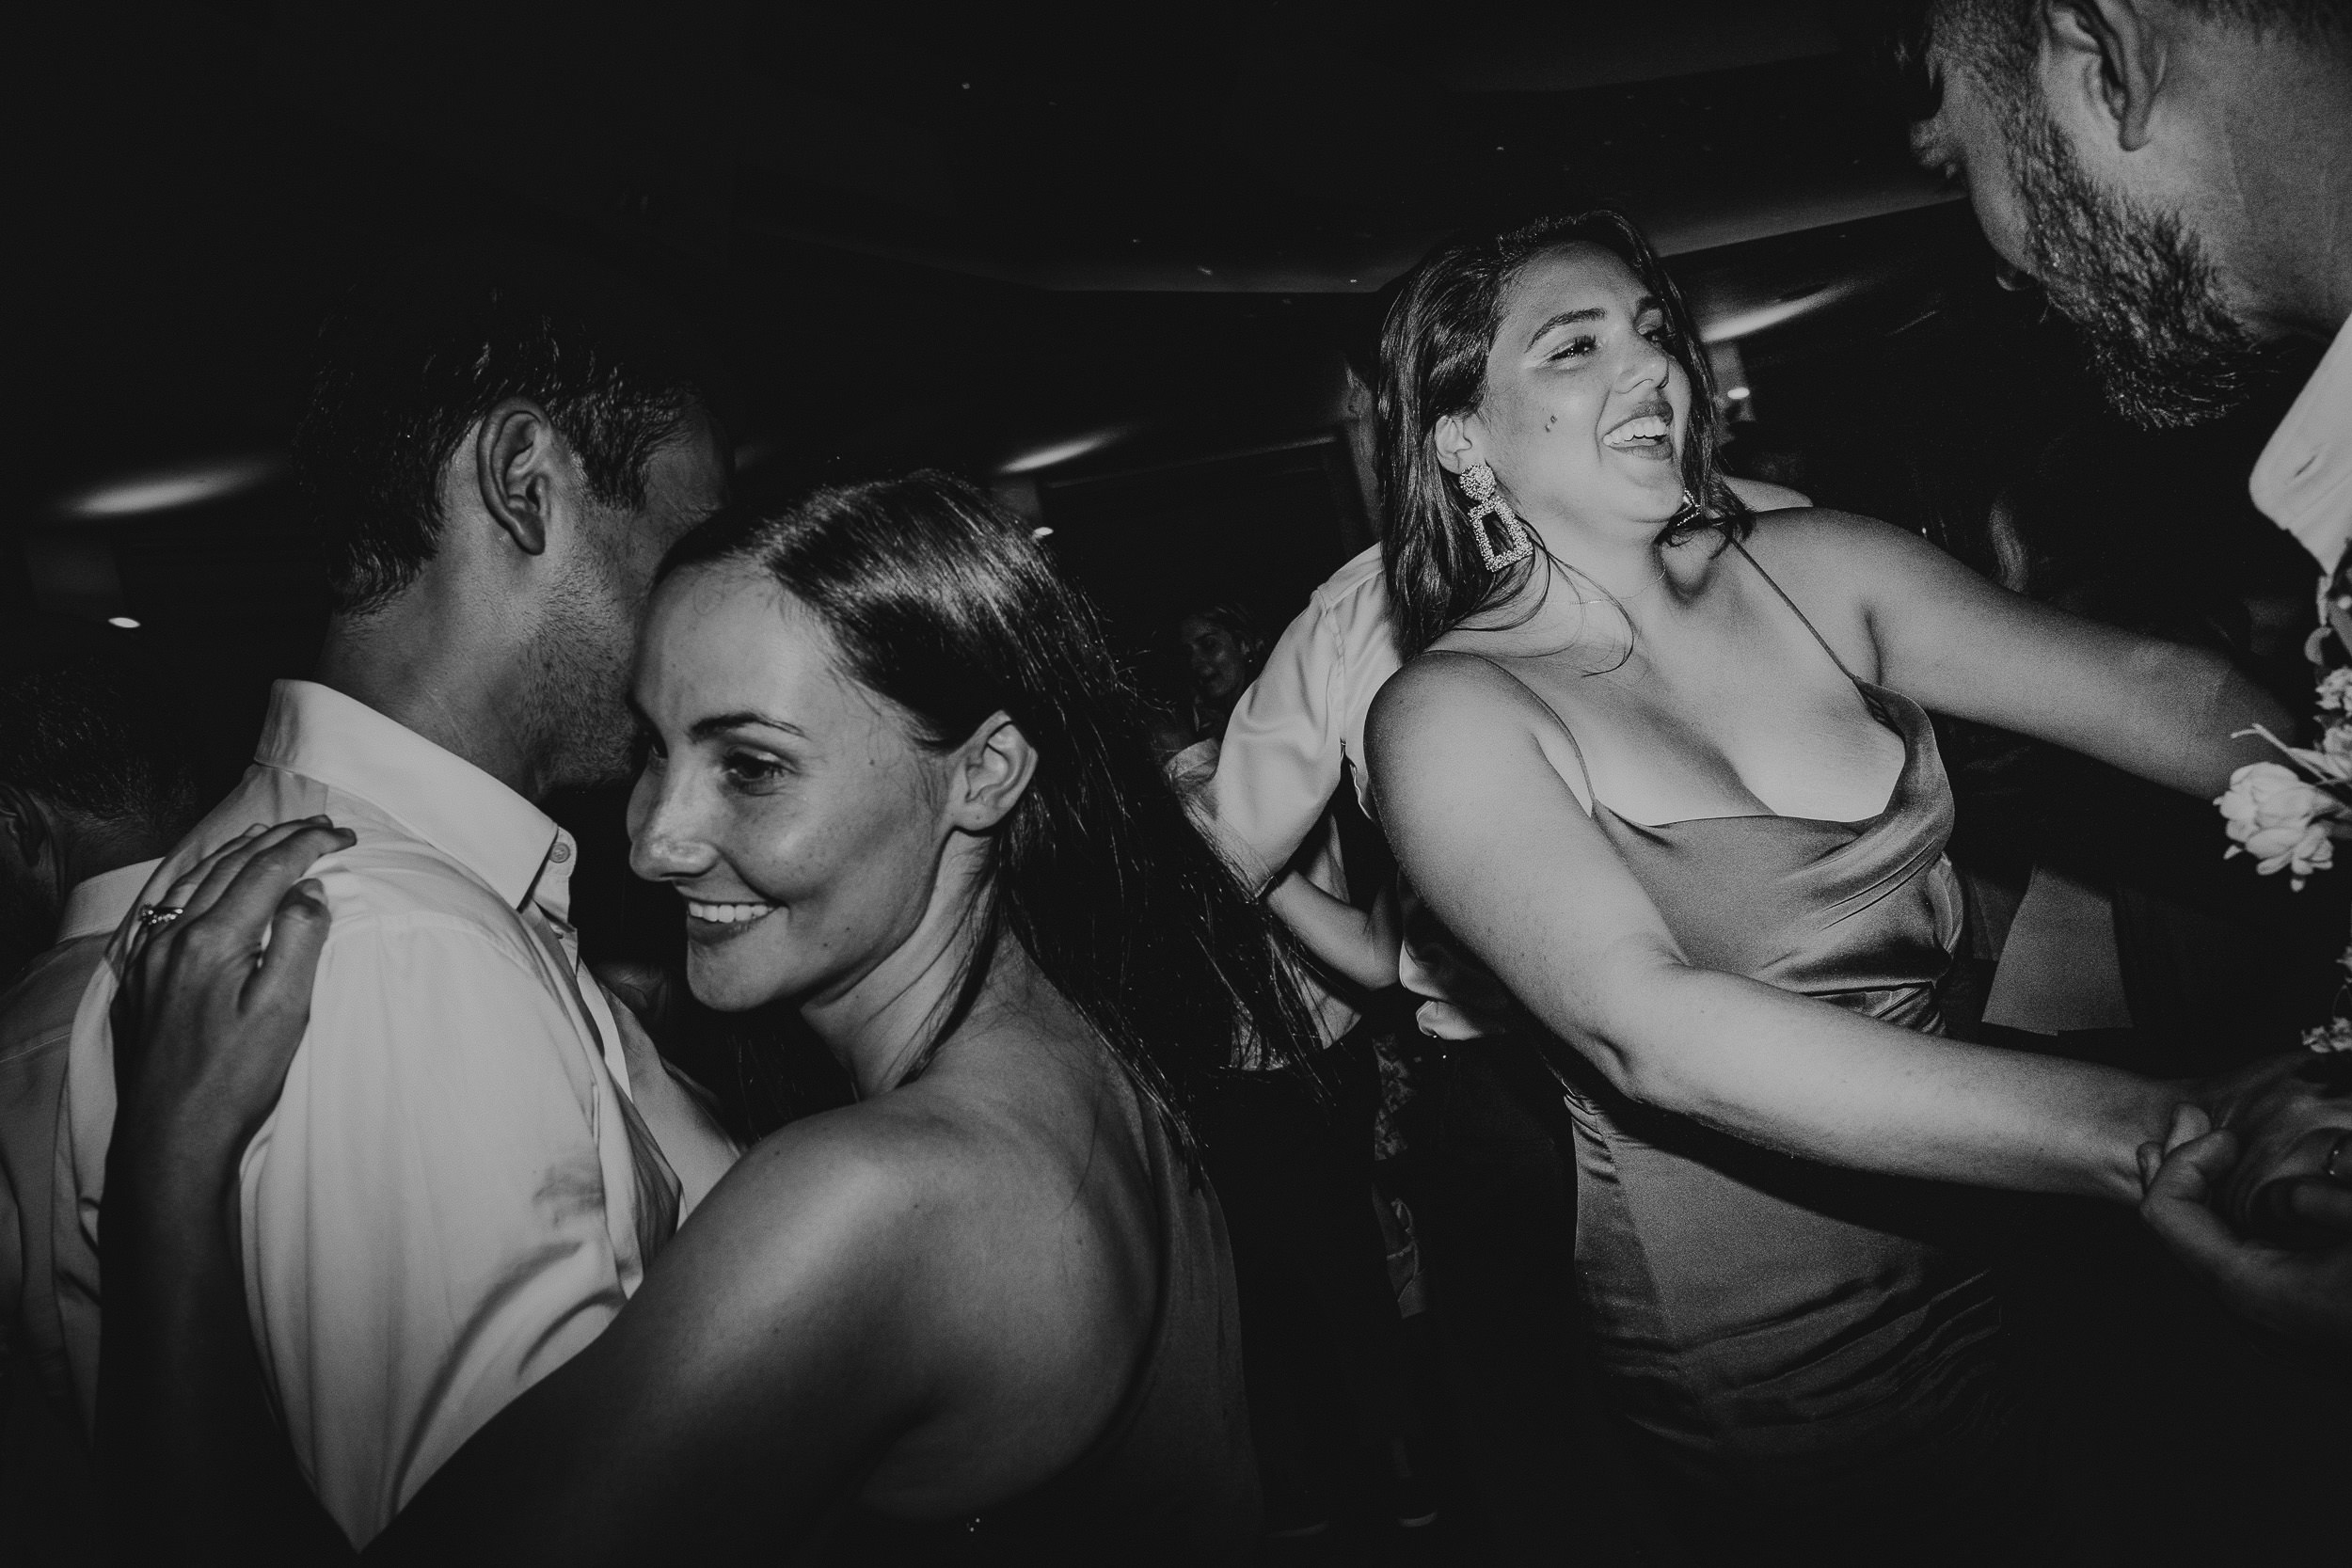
point(1800, 614)
point(1592, 797)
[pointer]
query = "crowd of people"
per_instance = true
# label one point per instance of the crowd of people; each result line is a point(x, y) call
point(1604, 786)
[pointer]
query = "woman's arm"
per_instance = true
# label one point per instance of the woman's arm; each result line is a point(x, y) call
point(1358, 944)
point(186, 1434)
point(1957, 644)
point(843, 1288)
point(1472, 774)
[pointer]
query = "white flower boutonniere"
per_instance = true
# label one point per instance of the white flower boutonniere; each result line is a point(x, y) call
point(2280, 819)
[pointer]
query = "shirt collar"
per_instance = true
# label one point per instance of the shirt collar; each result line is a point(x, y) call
point(100, 903)
point(444, 799)
point(2303, 481)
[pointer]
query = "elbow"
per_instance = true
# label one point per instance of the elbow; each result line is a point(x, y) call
point(1639, 1046)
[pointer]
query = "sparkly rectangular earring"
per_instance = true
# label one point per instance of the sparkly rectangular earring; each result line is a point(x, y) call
point(1485, 497)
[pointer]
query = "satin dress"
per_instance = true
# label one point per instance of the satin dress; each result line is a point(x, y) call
point(1784, 1340)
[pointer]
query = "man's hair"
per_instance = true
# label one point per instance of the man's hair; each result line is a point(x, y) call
point(413, 360)
point(2001, 38)
point(87, 726)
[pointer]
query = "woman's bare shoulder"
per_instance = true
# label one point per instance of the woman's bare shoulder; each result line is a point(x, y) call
point(1451, 716)
point(1821, 541)
point(1450, 686)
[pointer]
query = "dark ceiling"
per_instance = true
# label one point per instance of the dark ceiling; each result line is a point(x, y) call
point(951, 231)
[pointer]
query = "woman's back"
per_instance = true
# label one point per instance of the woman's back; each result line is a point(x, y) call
point(1117, 1392)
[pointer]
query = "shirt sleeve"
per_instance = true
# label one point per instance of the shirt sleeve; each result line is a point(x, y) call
point(1282, 753)
point(425, 1213)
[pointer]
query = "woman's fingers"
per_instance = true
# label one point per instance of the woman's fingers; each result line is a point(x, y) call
point(246, 901)
point(2189, 1122)
point(2177, 1208)
point(289, 968)
point(218, 871)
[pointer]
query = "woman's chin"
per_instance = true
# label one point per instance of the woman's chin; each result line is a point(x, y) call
point(723, 982)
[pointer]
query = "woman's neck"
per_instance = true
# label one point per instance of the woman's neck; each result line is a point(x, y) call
point(880, 1023)
point(1630, 568)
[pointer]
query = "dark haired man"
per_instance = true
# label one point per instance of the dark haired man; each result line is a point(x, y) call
point(458, 1187)
point(95, 783)
point(2177, 176)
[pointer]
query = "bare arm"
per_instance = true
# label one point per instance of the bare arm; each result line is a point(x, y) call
point(186, 1434)
point(774, 1353)
point(1472, 774)
point(1361, 944)
point(1955, 643)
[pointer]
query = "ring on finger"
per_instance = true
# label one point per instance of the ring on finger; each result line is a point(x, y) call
point(154, 917)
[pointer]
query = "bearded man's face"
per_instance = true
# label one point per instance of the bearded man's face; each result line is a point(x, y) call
point(2147, 298)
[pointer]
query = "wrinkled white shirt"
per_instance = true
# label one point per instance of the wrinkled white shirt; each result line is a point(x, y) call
point(454, 1195)
point(2303, 481)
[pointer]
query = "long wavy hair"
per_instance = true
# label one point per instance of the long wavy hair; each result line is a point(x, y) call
point(1433, 364)
point(948, 608)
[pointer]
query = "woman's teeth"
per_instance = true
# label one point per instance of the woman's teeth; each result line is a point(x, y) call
point(1649, 427)
point(727, 914)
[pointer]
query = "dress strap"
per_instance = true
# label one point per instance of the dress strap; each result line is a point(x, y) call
point(1591, 796)
point(1800, 614)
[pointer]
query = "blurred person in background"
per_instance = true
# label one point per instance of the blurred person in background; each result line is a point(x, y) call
point(96, 784)
point(1291, 1147)
point(1223, 649)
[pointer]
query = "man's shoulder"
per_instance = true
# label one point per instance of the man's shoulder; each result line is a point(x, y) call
point(1357, 591)
point(37, 1010)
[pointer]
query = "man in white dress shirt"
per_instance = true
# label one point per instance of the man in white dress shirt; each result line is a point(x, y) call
point(458, 1188)
point(2177, 176)
point(95, 783)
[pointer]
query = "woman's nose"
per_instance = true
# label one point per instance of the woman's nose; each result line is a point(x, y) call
point(665, 840)
point(1645, 363)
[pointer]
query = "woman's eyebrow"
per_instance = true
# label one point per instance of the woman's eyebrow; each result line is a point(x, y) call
point(702, 729)
point(1590, 314)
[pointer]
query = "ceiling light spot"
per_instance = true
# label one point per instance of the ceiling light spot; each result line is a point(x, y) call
point(125, 622)
point(1735, 393)
point(1059, 452)
point(1041, 532)
point(169, 488)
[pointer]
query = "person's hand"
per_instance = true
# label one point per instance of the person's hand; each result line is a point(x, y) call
point(2304, 1293)
point(214, 1003)
point(2286, 1112)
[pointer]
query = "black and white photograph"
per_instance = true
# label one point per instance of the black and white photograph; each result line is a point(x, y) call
point(1268, 783)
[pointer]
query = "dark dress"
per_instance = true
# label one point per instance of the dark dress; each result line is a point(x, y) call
point(1798, 1361)
point(1172, 1478)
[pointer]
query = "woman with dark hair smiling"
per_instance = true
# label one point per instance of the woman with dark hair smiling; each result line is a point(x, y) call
point(1666, 769)
point(984, 1313)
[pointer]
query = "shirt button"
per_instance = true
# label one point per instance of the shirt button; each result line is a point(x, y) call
point(561, 853)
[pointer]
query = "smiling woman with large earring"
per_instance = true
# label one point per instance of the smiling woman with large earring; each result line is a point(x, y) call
point(1668, 771)
point(984, 1314)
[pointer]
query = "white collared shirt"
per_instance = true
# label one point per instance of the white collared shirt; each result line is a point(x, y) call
point(35, 1025)
point(453, 1195)
point(2303, 481)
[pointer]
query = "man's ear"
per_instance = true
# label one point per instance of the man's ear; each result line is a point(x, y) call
point(518, 459)
point(993, 773)
point(1455, 443)
point(24, 826)
point(2115, 54)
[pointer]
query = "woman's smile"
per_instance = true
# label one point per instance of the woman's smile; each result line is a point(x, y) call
point(709, 920)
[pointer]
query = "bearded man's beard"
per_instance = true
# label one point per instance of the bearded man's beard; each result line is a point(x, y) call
point(2163, 343)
